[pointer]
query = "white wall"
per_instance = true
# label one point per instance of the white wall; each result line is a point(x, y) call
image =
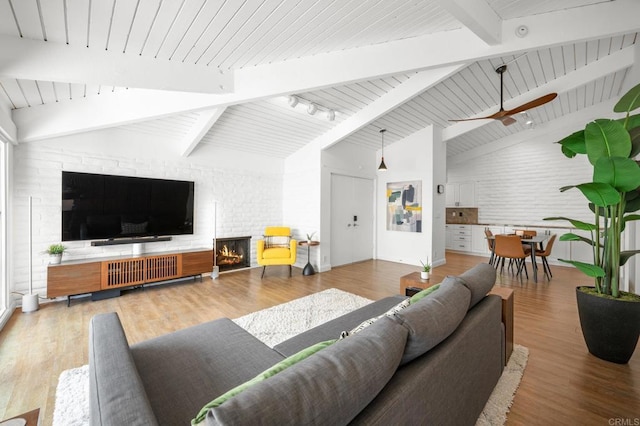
point(519, 184)
point(412, 159)
point(247, 189)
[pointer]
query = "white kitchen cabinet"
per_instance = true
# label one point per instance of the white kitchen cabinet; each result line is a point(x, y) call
point(460, 194)
point(448, 237)
point(461, 237)
point(561, 249)
point(479, 238)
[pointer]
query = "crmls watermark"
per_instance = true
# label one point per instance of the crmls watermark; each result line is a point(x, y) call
point(624, 422)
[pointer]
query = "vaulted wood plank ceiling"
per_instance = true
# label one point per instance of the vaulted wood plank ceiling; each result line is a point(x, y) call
point(397, 64)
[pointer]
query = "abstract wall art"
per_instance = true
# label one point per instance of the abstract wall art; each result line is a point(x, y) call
point(404, 206)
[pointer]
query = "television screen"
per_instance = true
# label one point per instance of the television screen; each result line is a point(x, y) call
point(96, 206)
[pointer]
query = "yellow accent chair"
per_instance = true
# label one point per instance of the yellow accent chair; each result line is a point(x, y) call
point(277, 248)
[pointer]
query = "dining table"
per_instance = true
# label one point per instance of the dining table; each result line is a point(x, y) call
point(535, 241)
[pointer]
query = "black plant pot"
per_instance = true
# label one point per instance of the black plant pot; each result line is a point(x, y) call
point(610, 326)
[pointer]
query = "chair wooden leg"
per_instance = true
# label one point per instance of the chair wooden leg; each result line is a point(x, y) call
point(263, 269)
point(524, 265)
point(290, 268)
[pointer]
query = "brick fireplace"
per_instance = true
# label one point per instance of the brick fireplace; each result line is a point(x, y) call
point(233, 253)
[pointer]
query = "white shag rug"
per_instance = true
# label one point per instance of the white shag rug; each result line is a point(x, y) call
point(277, 324)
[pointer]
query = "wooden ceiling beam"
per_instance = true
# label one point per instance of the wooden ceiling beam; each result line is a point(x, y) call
point(8, 131)
point(205, 120)
point(478, 16)
point(399, 95)
point(28, 59)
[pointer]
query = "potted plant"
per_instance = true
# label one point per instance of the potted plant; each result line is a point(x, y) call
point(609, 317)
point(426, 269)
point(310, 236)
point(55, 253)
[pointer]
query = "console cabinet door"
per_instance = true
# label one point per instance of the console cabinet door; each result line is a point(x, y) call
point(196, 263)
point(69, 279)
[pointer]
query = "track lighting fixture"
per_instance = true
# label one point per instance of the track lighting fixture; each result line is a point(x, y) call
point(312, 107)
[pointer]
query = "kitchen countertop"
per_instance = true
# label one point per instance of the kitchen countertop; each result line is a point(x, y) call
point(513, 226)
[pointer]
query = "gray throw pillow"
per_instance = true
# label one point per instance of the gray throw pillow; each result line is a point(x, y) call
point(433, 318)
point(330, 387)
point(479, 280)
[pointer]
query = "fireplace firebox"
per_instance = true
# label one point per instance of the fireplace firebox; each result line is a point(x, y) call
point(232, 253)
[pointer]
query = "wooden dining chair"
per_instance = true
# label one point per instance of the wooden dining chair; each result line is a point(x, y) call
point(510, 247)
point(546, 253)
point(490, 243)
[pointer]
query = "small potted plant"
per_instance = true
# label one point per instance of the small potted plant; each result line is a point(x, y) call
point(426, 269)
point(310, 237)
point(55, 253)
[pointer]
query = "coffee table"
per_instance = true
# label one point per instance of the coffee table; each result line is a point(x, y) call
point(413, 280)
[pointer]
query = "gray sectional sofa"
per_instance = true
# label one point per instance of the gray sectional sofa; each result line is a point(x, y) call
point(434, 362)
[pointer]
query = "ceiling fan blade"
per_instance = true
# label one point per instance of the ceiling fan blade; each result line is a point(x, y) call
point(533, 104)
point(496, 116)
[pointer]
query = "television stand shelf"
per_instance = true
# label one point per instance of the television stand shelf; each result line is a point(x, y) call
point(110, 275)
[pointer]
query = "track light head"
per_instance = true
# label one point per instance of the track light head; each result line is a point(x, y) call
point(312, 108)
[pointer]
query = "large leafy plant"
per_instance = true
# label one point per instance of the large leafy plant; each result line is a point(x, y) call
point(614, 193)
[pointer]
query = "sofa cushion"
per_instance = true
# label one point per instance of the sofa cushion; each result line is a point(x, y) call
point(433, 318)
point(479, 280)
point(330, 387)
point(183, 370)
point(272, 371)
point(276, 253)
point(366, 323)
point(332, 329)
point(424, 293)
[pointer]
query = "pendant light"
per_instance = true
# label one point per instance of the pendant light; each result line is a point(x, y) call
point(382, 167)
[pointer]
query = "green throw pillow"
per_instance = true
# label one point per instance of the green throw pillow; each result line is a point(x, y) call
point(277, 368)
point(423, 293)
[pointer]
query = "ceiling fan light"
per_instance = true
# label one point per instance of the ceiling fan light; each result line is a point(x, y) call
point(293, 101)
point(527, 120)
point(331, 115)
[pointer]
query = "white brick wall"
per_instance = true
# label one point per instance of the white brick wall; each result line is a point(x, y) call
point(520, 184)
point(247, 199)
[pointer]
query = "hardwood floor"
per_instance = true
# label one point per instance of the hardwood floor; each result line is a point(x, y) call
point(562, 383)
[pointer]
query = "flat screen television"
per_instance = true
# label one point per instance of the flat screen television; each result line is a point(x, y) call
point(98, 207)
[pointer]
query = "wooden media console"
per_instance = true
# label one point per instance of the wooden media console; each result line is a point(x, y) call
point(114, 273)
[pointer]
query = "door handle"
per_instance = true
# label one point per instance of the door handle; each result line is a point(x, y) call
point(348, 225)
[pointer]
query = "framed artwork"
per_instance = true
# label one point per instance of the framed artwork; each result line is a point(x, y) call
point(404, 206)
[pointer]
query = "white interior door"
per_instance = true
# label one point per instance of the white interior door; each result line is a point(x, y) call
point(351, 219)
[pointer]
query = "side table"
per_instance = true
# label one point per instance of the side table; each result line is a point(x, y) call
point(32, 418)
point(308, 268)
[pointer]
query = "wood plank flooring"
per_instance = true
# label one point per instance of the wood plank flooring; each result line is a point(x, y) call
point(562, 384)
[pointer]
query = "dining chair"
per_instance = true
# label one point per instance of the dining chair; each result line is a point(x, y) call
point(490, 243)
point(510, 247)
point(546, 253)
